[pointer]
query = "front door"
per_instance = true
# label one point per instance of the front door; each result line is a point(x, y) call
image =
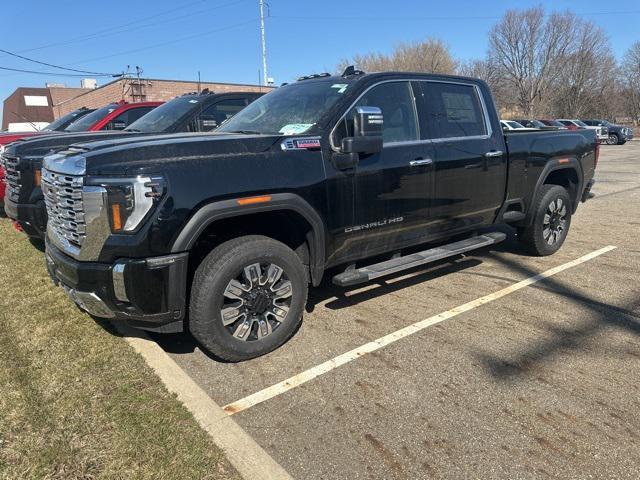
point(391, 188)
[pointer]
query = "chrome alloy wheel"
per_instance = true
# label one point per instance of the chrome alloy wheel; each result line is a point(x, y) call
point(555, 221)
point(256, 302)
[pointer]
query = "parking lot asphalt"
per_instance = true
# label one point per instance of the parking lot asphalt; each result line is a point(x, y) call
point(542, 382)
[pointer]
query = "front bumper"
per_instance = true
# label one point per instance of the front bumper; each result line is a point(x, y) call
point(147, 293)
point(32, 217)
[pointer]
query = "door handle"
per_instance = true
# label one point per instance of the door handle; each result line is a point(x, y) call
point(497, 153)
point(420, 161)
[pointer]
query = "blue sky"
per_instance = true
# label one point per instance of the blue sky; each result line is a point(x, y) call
point(220, 38)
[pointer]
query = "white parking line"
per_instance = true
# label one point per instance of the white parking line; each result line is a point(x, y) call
point(308, 375)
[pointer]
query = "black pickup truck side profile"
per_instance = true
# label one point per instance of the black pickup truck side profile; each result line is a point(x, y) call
point(24, 201)
point(222, 233)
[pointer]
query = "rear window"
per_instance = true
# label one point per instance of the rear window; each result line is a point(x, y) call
point(455, 110)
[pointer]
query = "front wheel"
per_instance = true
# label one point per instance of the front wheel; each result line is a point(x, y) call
point(613, 139)
point(551, 221)
point(247, 298)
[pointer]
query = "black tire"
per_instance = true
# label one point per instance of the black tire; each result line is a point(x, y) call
point(212, 285)
point(613, 139)
point(536, 237)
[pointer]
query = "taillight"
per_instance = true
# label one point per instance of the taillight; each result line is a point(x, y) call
point(597, 153)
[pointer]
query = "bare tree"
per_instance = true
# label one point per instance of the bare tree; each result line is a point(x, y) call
point(588, 81)
point(532, 50)
point(431, 56)
point(631, 81)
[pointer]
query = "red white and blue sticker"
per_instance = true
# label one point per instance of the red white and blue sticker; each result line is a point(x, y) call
point(306, 143)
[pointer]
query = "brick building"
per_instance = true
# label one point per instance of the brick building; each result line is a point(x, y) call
point(146, 90)
point(27, 106)
point(60, 101)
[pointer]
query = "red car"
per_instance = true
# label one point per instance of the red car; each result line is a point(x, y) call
point(115, 116)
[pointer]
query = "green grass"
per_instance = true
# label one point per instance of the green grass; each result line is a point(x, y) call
point(76, 402)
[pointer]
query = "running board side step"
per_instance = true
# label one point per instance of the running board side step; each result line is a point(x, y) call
point(364, 274)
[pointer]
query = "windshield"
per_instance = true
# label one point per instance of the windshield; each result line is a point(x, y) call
point(580, 123)
point(513, 124)
point(83, 124)
point(65, 120)
point(290, 110)
point(537, 124)
point(165, 116)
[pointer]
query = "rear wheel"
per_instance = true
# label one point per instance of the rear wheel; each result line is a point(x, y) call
point(247, 298)
point(613, 139)
point(552, 218)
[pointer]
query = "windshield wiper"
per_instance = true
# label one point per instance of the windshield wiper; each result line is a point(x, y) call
point(133, 130)
point(244, 132)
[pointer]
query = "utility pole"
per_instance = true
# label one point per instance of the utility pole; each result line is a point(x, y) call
point(264, 44)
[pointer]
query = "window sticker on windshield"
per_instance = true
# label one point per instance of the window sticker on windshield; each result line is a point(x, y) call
point(295, 128)
point(340, 86)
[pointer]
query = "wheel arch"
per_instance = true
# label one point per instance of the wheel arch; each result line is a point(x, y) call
point(290, 207)
point(568, 175)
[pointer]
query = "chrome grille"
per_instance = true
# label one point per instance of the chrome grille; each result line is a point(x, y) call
point(13, 177)
point(63, 197)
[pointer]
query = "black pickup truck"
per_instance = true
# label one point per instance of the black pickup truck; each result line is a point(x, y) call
point(24, 202)
point(222, 233)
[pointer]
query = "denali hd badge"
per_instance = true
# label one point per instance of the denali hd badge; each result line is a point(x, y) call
point(306, 143)
point(369, 226)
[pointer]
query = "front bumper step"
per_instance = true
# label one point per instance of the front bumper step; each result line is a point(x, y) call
point(365, 274)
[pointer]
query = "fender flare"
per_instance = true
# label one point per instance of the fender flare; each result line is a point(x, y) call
point(554, 166)
point(219, 210)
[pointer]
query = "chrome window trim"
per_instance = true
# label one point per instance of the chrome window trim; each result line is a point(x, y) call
point(483, 104)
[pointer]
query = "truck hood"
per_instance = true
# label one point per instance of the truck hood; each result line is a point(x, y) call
point(148, 154)
point(38, 147)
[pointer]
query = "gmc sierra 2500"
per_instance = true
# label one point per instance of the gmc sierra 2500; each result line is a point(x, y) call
point(231, 227)
point(187, 113)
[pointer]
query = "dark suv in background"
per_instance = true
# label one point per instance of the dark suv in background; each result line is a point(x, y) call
point(618, 134)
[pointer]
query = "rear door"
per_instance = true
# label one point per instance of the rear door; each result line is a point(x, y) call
point(470, 164)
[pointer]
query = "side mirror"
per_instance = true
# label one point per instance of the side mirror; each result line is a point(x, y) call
point(367, 138)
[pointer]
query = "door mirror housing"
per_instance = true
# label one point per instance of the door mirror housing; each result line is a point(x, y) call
point(367, 135)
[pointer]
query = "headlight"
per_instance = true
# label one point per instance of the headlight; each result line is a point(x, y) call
point(129, 200)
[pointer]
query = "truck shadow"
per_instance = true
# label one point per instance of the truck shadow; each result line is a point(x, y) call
point(337, 298)
point(601, 316)
point(342, 297)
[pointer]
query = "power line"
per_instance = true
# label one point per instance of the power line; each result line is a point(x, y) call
point(177, 40)
point(447, 18)
point(58, 74)
point(116, 27)
point(55, 66)
point(121, 28)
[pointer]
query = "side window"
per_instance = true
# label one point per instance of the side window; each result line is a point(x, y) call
point(396, 101)
point(454, 110)
point(126, 118)
point(136, 113)
point(213, 116)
